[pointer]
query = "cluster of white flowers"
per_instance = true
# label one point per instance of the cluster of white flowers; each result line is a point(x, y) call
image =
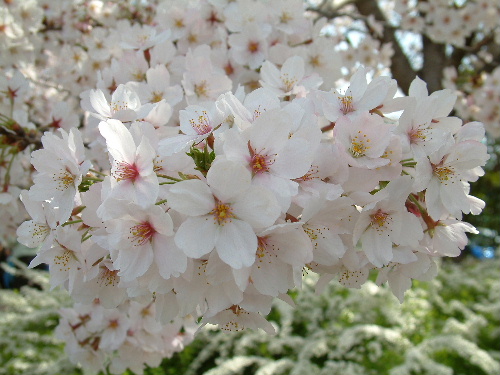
point(366, 331)
point(128, 337)
point(448, 21)
point(464, 27)
point(218, 162)
point(28, 317)
point(478, 100)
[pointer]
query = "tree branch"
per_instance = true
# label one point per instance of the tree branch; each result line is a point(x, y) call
point(435, 61)
point(401, 68)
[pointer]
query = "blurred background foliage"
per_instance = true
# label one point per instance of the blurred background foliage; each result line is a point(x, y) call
point(449, 326)
point(487, 188)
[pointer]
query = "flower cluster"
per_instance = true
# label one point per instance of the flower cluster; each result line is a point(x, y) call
point(128, 337)
point(220, 160)
point(479, 98)
point(448, 21)
point(367, 331)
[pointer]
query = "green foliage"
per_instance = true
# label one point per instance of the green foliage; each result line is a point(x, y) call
point(202, 158)
point(448, 326)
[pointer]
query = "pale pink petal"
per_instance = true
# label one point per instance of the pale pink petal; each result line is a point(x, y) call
point(237, 244)
point(270, 74)
point(374, 95)
point(99, 103)
point(161, 221)
point(171, 260)
point(294, 159)
point(175, 144)
point(191, 197)
point(418, 88)
point(357, 85)
point(432, 201)
point(134, 261)
point(270, 132)
point(377, 247)
point(270, 276)
point(228, 179)
point(257, 206)
point(120, 143)
point(293, 68)
point(145, 155)
point(197, 236)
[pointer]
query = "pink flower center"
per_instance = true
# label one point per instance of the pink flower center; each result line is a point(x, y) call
point(222, 213)
point(253, 47)
point(259, 162)
point(261, 248)
point(56, 123)
point(201, 90)
point(11, 93)
point(288, 82)
point(346, 105)
point(141, 233)
point(64, 180)
point(126, 171)
point(107, 276)
point(359, 145)
point(312, 174)
point(443, 173)
point(379, 220)
point(416, 135)
point(202, 124)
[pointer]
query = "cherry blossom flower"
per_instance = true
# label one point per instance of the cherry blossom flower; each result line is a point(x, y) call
point(288, 16)
point(222, 214)
point(123, 106)
point(196, 123)
point(386, 222)
point(139, 237)
point(282, 252)
point(249, 47)
point(359, 97)
point(33, 233)
point(323, 221)
point(157, 87)
point(290, 79)
point(101, 280)
point(14, 86)
point(113, 329)
point(132, 165)
point(142, 37)
point(363, 140)
point(64, 258)
point(446, 173)
point(61, 166)
point(448, 238)
point(399, 276)
point(270, 154)
point(202, 81)
point(237, 319)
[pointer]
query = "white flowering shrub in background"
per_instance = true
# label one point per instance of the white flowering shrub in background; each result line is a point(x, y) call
point(28, 318)
point(198, 158)
point(448, 326)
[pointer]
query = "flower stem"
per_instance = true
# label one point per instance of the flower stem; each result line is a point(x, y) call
point(72, 222)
